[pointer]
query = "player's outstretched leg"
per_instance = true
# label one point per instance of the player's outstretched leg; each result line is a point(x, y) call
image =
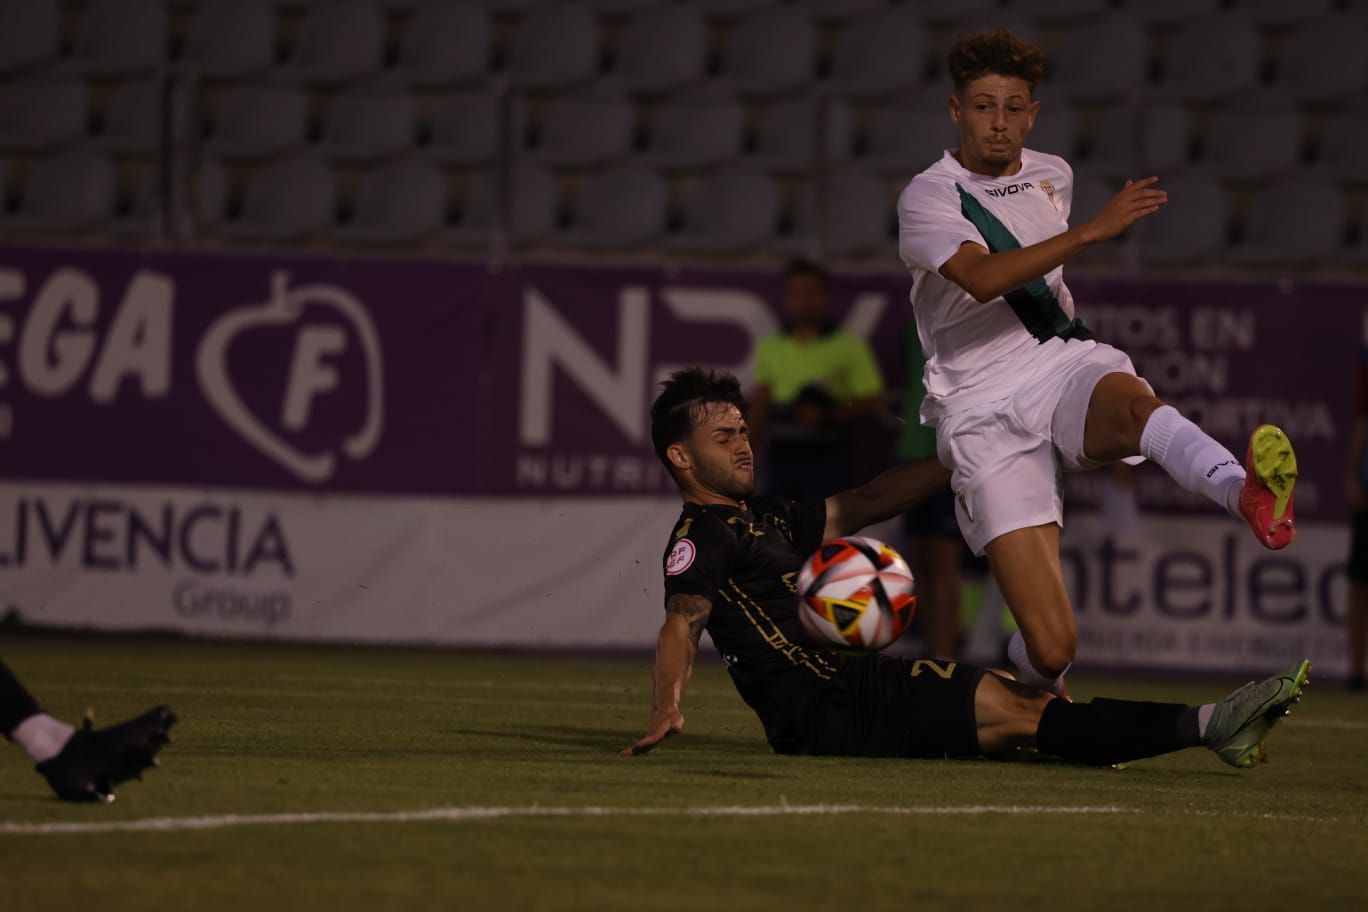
point(94, 761)
point(1266, 495)
point(1240, 723)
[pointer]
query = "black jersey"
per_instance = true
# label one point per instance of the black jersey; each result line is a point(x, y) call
point(746, 562)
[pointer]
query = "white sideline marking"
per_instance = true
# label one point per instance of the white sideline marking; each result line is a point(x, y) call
point(164, 824)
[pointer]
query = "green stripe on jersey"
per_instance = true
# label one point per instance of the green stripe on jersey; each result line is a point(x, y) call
point(1034, 304)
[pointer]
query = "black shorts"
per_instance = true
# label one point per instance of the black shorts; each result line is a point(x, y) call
point(882, 706)
point(933, 517)
point(1358, 546)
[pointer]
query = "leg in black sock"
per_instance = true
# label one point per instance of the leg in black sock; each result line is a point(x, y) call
point(1107, 731)
point(16, 703)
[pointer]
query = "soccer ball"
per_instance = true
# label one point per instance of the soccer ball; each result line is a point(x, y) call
point(855, 593)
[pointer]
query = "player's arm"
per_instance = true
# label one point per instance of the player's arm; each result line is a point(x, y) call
point(685, 618)
point(889, 494)
point(990, 275)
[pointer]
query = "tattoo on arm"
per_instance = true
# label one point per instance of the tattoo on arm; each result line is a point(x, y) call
point(694, 609)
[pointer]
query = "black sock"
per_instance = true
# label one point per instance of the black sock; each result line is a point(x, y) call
point(1113, 731)
point(16, 703)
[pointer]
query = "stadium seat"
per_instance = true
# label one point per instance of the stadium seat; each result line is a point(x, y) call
point(1190, 227)
point(619, 208)
point(513, 6)
point(1106, 59)
point(624, 7)
point(338, 41)
point(447, 42)
point(953, 10)
point(402, 203)
point(1210, 59)
point(905, 139)
point(1324, 60)
point(731, 9)
point(287, 200)
point(208, 196)
point(229, 39)
point(661, 50)
point(554, 47)
point(1169, 13)
point(858, 210)
point(1091, 191)
point(40, 113)
point(1343, 140)
point(728, 213)
point(258, 120)
point(1056, 127)
point(466, 129)
point(368, 125)
point(120, 37)
point(879, 53)
point(1064, 10)
point(1295, 223)
point(979, 18)
point(132, 119)
point(532, 211)
point(770, 51)
point(1128, 140)
point(1254, 138)
point(695, 133)
point(838, 10)
point(1274, 13)
point(68, 193)
point(1166, 137)
point(28, 33)
point(138, 216)
point(786, 134)
point(587, 129)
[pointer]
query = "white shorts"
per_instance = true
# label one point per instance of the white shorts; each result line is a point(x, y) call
point(1008, 457)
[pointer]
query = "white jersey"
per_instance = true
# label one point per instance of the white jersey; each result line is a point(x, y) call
point(978, 353)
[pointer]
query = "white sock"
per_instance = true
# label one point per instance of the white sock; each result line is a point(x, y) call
point(1026, 672)
point(41, 736)
point(1193, 458)
point(1203, 717)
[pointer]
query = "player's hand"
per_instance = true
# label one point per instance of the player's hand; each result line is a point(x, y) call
point(662, 726)
point(1135, 201)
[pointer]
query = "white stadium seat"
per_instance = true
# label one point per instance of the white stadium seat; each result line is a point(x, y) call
point(1324, 61)
point(69, 193)
point(466, 129)
point(879, 53)
point(258, 120)
point(229, 39)
point(695, 133)
point(338, 41)
point(28, 33)
point(617, 209)
point(1191, 226)
point(838, 10)
point(1344, 147)
point(1254, 138)
point(731, 212)
point(287, 201)
point(661, 50)
point(40, 113)
point(401, 203)
point(1276, 13)
point(532, 211)
point(368, 125)
point(586, 129)
point(1211, 58)
point(119, 37)
point(1106, 59)
point(554, 47)
point(132, 121)
point(770, 51)
point(786, 135)
point(905, 139)
point(447, 42)
point(1295, 223)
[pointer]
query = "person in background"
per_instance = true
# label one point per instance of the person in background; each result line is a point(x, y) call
point(934, 544)
point(1357, 484)
point(815, 382)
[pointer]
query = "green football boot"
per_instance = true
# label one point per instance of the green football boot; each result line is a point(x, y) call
point(1241, 722)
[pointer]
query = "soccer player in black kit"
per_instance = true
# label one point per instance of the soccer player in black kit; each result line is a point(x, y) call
point(730, 566)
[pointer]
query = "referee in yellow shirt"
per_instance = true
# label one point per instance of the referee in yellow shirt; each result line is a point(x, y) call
point(814, 383)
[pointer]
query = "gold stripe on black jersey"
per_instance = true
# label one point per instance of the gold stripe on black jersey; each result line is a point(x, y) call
point(796, 654)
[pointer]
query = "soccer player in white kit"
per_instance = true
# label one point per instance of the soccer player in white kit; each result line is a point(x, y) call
point(1017, 388)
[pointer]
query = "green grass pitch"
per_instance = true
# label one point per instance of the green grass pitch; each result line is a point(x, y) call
point(270, 730)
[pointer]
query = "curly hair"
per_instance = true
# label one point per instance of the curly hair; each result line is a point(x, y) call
point(997, 51)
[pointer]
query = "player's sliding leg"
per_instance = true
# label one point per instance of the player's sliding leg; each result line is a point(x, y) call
point(1104, 731)
point(1126, 419)
point(81, 764)
point(1025, 565)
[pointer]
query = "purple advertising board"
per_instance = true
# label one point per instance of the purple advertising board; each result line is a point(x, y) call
point(435, 377)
